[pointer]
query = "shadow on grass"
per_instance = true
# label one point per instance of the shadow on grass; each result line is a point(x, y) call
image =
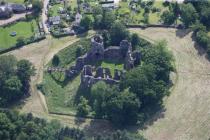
point(82, 35)
point(182, 32)
point(99, 126)
point(82, 91)
point(65, 81)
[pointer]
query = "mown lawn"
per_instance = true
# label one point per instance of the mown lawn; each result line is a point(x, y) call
point(14, 1)
point(73, 4)
point(23, 29)
point(55, 9)
point(61, 93)
point(112, 66)
point(60, 99)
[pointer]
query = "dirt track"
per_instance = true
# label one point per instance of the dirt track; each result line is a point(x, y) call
point(187, 115)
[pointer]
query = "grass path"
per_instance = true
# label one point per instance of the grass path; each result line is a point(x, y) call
point(187, 108)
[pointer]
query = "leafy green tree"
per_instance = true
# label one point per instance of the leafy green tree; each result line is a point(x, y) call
point(118, 32)
point(25, 70)
point(205, 15)
point(101, 93)
point(55, 60)
point(161, 58)
point(168, 17)
point(98, 21)
point(37, 6)
point(108, 19)
point(123, 109)
point(83, 107)
point(14, 78)
point(135, 40)
point(7, 129)
point(188, 14)
point(20, 41)
point(87, 22)
point(202, 38)
point(12, 88)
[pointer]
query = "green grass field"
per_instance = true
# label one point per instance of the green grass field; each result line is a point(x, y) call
point(60, 99)
point(14, 1)
point(55, 9)
point(23, 29)
point(61, 94)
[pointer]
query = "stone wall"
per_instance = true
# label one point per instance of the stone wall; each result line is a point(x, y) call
point(88, 78)
point(98, 53)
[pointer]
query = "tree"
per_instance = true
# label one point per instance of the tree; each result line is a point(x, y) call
point(161, 58)
point(202, 38)
point(149, 81)
point(20, 41)
point(188, 14)
point(108, 19)
point(168, 17)
point(98, 21)
point(83, 107)
point(101, 93)
point(123, 109)
point(118, 32)
point(55, 60)
point(135, 40)
point(205, 15)
point(146, 18)
point(87, 22)
point(12, 88)
point(25, 70)
point(37, 6)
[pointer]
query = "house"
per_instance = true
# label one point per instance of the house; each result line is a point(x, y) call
point(55, 20)
point(5, 11)
point(108, 6)
point(18, 8)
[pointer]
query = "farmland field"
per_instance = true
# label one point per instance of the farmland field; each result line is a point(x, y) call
point(23, 29)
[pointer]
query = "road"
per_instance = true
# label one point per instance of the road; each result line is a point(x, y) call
point(44, 16)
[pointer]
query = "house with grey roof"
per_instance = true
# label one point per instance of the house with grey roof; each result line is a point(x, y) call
point(55, 20)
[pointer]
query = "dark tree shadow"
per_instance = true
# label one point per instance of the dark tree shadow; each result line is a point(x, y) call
point(98, 126)
point(182, 32)
point(201, 51)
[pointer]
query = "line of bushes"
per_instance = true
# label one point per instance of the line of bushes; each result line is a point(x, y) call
point(202, 37)
point(21, 42)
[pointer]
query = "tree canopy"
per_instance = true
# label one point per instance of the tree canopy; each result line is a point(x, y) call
point(14, 78)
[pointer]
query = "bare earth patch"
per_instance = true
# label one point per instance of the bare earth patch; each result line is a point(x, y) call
point(187, 115)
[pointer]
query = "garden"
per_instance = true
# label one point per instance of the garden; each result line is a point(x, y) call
point(15, 33)
point(61, 14)
point(143, 12)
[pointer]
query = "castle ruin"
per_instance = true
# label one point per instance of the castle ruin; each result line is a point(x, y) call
point(97, 53)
